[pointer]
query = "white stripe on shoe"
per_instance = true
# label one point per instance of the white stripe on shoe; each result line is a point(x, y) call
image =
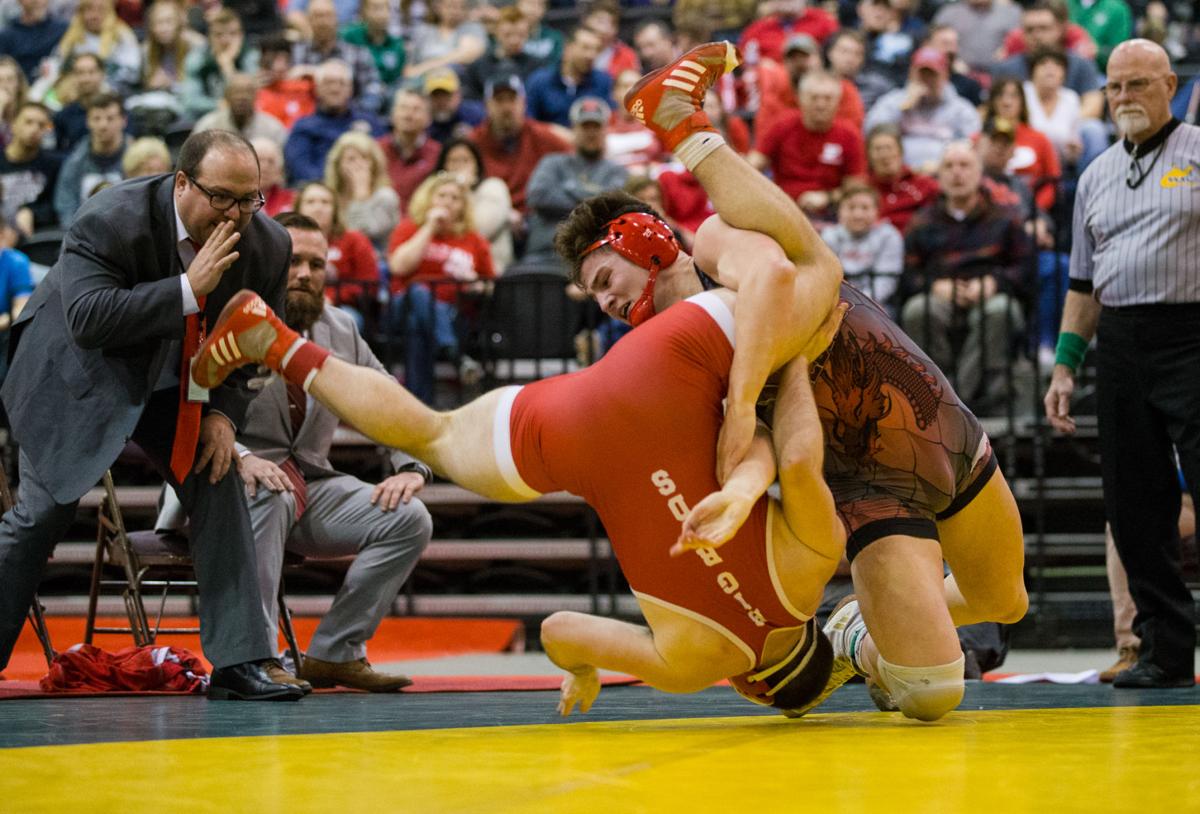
point(687, 87)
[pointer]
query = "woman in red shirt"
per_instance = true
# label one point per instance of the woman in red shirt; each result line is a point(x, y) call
point(901, 191)
point(437, 260)
point(353, 270)
point(1035, 158)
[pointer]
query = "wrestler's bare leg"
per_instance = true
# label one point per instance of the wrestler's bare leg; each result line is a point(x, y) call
point(675, 653)
point(747, 199)
point(456, 444)
point(985, 548)
point(898, 580)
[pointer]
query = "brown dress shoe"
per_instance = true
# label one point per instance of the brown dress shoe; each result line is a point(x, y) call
point(356, 674)
point(279, 675)
point(1126, 657)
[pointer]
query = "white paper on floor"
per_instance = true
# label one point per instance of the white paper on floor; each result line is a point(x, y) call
point(1086, 677)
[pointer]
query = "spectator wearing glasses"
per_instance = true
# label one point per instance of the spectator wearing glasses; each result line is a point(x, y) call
point(1133, 285)
point(153, 261)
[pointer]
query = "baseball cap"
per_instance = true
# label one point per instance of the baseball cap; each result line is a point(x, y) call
point(589, 109)
point(1001, 127)
point(801, 42)
point(509, 82)
point(931, 58)
point(441, 79)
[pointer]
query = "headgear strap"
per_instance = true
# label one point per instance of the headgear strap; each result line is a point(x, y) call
point(646, 241)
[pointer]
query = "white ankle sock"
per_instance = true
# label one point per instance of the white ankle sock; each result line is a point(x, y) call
point(697, 147)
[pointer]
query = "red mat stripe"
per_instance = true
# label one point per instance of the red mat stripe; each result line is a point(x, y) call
point(12, 690)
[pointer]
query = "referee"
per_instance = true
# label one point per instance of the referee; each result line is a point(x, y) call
point(1135, 285)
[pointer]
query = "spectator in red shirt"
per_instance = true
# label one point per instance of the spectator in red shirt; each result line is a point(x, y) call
point(1034, 158)
point(1075, 38)
point(409, 151)
point(809, 152)
point(436, 247)
point(778, 84)
point(765, 37)
point(352, 272)
point(901, 191)
point(684, 200)
point(615, 56)
point(511, 143)
point(283, 96)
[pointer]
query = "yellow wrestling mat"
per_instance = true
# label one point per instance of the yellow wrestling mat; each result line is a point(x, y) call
point(1104, 759)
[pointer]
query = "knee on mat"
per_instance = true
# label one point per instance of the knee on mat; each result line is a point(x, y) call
point(924, 693)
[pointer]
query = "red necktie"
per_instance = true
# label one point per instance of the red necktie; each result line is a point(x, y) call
point(297, 408)
point(187, 421)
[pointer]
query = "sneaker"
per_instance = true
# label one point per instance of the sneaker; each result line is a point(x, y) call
point(670, 100)
point(246, 331)
point(1127, 656)
point(844, 622)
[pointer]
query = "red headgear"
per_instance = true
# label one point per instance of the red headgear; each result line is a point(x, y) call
point(642, 239)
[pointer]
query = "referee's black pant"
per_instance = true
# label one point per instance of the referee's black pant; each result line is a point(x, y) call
point(1148, 400)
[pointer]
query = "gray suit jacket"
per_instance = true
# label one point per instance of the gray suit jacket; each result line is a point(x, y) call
point(267, 431)
point(90, 345)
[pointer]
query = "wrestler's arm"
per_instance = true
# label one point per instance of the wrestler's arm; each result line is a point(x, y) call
point(716, 518)
point(781, 305)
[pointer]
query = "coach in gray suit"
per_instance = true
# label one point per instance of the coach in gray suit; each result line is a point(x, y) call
point(299, 502)
point(97, 362)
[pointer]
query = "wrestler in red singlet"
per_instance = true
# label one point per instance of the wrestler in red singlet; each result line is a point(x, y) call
point(635, 436)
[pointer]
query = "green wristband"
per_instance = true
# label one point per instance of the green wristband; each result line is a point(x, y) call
point(1070, 350)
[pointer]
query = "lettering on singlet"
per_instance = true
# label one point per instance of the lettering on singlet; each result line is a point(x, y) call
point(726, 581)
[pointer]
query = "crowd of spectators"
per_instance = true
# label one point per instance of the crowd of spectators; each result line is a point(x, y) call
point(930, 140)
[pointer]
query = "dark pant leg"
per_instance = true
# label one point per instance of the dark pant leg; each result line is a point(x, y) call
point(1141, 490)
point(222, 545)
point(28, 533)
point(1176, 394)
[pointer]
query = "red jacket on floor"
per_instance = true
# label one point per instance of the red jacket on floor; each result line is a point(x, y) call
point(134, 669)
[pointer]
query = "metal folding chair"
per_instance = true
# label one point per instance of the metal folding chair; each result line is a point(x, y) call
point(154, 560)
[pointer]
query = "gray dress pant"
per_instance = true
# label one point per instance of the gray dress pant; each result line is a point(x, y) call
point(340, 521)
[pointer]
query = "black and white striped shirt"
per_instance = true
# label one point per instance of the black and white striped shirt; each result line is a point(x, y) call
point(1141, 246)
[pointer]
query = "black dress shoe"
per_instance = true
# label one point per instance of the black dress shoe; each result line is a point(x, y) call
point(249, 682)
point(1147, 676)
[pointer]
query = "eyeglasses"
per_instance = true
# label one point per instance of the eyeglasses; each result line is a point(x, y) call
point(221, 201)
point(1133, 87)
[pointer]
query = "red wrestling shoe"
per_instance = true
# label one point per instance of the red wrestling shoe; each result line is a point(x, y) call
point(670, 100)
point(247, 331)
